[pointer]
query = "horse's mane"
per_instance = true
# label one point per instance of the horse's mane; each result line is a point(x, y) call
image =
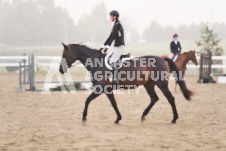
point(186, 52)
point(82, 46)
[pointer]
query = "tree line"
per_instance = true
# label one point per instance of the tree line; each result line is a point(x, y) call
point(40, 22)
point(157, 33)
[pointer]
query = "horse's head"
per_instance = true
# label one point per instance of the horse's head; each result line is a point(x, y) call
point(68, 58)
point(193, 57)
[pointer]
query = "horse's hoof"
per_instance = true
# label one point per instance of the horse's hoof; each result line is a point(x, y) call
point(143, 118)
point(173, 122)
point(84, 120)
point(174, 119)
point(116, 122)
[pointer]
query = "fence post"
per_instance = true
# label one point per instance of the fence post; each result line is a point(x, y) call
point(31, 73)
point(224, 63)
point(24, 72)
point(20, 84)
point(29, 70)
point(200, 68)
point(209, 65)
point(205, 68)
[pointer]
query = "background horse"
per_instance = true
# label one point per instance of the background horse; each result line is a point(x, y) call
point(73, 52)
point(182, 61)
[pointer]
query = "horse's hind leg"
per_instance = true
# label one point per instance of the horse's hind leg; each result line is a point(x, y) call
point(154, 98)
point(164, 88)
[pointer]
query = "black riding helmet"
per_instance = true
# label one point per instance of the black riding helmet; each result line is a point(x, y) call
point(175, 35)
point(114, 13)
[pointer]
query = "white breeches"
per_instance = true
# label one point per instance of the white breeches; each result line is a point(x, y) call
point(173, 57)
point(117, 53)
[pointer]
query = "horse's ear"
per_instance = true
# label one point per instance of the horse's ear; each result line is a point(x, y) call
point(65, 46)
point(194, 50)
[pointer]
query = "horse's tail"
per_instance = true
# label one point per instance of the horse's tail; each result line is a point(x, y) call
point(187, 93)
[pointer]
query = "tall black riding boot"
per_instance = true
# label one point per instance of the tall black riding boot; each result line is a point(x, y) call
point(115, 70)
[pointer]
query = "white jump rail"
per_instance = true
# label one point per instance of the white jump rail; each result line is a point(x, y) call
point(13, 57)
point(50, 58)
point(189, 66)
point(76, 81)
point(214, 66)
point(14, 63)
point(46, 60)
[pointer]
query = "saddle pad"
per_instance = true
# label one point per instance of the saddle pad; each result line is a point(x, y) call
point(107, 58)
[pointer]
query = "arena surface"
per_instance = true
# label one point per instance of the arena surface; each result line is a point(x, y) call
point(33, 121)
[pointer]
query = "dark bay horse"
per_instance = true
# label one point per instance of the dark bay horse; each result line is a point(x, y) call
point(182, 61)
point(73, 52)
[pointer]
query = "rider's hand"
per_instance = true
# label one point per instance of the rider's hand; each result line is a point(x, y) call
point(102, 47)
point(106, 48)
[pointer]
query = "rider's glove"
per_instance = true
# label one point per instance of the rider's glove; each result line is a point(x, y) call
point(102, 47)
point(106, 48)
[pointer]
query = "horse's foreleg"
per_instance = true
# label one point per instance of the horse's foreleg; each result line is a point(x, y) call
point(154, 98)
point(88, 100)
point(114, 104)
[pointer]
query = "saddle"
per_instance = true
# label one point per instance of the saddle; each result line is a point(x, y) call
point(125, 56)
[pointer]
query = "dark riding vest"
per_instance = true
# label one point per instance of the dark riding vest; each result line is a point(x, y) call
point(117, 34)
point(175, 48)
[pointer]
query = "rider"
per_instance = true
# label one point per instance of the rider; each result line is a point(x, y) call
point(175, 48)
point(117, 34)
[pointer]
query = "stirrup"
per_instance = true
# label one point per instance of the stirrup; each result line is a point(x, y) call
point(116, 80)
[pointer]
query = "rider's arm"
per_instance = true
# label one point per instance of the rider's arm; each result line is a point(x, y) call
point(113, 34)
point(179, 46)
point(171, 47)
